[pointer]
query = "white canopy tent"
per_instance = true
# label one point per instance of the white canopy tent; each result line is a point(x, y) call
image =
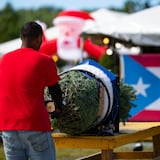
point(9, 45)
point(104, 21)
point(140, 28)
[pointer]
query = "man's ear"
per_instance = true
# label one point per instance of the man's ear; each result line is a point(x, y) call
point(39, 40)
point(20, 36)
point(37, 43)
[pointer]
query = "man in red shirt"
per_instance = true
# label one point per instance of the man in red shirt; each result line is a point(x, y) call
point(24, 120)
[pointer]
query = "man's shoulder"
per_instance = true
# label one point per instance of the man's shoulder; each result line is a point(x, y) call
point(45, 57)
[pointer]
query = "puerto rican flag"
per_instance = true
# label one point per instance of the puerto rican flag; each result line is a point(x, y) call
point(143, 73)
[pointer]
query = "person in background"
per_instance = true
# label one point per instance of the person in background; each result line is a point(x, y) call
point(24, 120)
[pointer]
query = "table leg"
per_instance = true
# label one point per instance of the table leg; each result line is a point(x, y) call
point(156, 145)
point(107, 154)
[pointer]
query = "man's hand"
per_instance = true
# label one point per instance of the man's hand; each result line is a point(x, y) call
point(53, 111)
point(50, 106)
point(56, 113)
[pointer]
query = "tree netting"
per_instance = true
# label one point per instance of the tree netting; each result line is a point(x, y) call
point(81, 98)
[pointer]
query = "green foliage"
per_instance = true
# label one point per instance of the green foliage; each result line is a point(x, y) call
point(81, 99)
point(11, 20)
point(9, 24)
point(43, 14)
point(131, 6)
point(110, 62)
point(127, 96)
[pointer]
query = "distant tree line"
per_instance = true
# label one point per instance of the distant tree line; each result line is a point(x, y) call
point(11, 20)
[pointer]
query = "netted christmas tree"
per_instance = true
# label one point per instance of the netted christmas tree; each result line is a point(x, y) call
point(81, 98)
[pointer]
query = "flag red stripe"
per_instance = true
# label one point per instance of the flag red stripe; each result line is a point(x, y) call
point(148, 60)
point(146, 115)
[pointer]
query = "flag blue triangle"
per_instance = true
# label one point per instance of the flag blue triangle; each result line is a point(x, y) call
point(133, 72)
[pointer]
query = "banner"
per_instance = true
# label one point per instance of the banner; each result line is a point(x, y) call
point(143, 73)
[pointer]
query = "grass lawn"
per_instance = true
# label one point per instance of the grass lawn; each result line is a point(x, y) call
point(72, 154)
point(62, 154)
point(1, 152)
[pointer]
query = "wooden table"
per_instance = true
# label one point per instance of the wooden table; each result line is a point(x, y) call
point(130, 133)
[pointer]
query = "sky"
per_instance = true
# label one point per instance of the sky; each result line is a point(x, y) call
point(64, 4)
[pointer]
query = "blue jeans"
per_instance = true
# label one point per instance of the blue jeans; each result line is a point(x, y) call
point(28, 145)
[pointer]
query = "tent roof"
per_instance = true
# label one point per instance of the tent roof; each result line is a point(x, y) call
point(140, 28)
point(105, 20)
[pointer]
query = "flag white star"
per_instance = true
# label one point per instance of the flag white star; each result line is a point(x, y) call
point(140, 87)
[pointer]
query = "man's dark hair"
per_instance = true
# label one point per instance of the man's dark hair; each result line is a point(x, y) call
point(31, 30)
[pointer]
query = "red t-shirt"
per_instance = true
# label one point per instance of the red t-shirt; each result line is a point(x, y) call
point(23, 75)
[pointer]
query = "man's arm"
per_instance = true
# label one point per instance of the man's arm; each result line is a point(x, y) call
point(56, 93)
